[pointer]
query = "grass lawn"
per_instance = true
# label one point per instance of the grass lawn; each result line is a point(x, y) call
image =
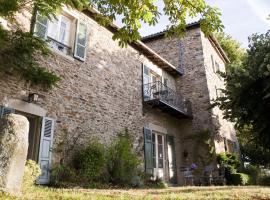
point(234, 192)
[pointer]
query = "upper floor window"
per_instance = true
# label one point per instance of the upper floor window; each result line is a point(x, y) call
point(64, 33)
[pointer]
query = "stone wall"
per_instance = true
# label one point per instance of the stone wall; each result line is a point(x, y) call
point(198, 82)
point(98, 97)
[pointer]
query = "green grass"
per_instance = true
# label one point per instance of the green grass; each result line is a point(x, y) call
point(243, 193)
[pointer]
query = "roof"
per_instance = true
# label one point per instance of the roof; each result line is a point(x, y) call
point(162, 33)
point(211, 38)
point(141, 47)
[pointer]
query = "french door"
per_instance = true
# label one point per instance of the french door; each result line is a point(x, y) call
point(158, 154)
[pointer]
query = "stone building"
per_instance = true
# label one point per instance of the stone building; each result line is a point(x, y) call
point(159, 90)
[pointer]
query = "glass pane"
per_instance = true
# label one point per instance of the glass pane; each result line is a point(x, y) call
point(81, 34)
point(159, 139)
point(154, 138)
point(80, 51)
point(160, 163)
point(42, 19)
point(53, 28)
point(154, 150)
point(160, 151)
point(40, 30)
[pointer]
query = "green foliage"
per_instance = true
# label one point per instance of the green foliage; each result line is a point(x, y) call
point(203, 140)
point(254, 172)
point(240, 179)
point(18, 55)
point(122, 160)
point(247, 95)
point(150, 182)
point(228, 161)
point(63, 175)
point(233, 49)
point(265, 180)
point(133, 14)
point(91, 161)
point(31, 173)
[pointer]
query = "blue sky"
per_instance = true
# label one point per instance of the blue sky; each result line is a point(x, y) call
point(240, 17)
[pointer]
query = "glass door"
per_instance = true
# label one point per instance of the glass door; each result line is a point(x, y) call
point(158, 154)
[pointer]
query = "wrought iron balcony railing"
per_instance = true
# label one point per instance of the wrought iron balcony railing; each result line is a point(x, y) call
point(158, 94)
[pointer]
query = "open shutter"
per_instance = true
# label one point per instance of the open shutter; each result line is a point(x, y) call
point(45, 150)
point(41, 26)
point(80, 41)
point(148, 151)
point(5, 110)
point(171, 159)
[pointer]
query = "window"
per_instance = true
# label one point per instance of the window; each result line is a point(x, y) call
point(62, 32)
point(216, 66)
point(213, 63)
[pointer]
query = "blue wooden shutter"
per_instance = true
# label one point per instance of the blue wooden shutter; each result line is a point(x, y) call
point(5, 110)
point(45, 150)
point(80, 41)
point(41, 26)
point(148, 151)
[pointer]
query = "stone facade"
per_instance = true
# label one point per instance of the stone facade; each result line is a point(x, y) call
point(103, 95)
point(200, 83)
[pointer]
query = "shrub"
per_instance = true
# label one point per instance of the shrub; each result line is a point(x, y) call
point(122, 160)
point(150, 182)
point(254, 173)
point(31, 173)
point(240, 179)
point(230, 163)
point(265, 180)
point(91, 161)
point(63, 175)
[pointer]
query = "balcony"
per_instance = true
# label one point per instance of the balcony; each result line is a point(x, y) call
point(166, 99)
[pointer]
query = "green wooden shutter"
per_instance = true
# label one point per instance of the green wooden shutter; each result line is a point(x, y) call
point(41, 26)
point(80, 41)
point(5, 110)
point(148, 151)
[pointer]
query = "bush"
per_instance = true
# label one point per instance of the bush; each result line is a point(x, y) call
point(63, 175)
point(91, 161)
point(254, 173)
point(150, 182)
point(265, 181)
point(230, 163)
point(122, 161)
point(240, 179)
point(31, 173)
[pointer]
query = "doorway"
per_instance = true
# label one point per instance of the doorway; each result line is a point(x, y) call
point(33, 135)
point(158, 154)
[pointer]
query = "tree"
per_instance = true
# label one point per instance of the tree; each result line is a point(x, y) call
point(247, 95)
point(232, 48)
point(19, 50)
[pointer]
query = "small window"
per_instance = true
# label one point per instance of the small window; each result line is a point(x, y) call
point(216, 66)
point(61, 31)
point(213, 63)
point(217, 92)
point(165, 82)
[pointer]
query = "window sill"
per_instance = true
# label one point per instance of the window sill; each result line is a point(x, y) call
point(62, 54)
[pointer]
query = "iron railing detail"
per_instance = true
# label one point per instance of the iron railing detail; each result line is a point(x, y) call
point(158, 91)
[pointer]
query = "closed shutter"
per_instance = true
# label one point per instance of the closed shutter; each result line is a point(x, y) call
point(5, 110)
point(148, 151)
point(80, 41)
point(45, 150)
point(41, 26)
